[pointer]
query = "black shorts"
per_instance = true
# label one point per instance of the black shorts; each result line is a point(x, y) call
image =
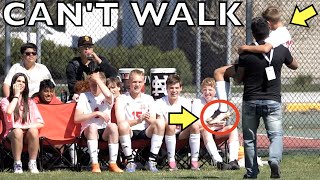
point(100, 133)
point(137, 134)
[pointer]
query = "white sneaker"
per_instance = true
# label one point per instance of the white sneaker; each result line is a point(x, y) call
point(33, 167)
point(17, 168)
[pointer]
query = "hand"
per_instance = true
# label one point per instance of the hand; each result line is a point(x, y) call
point(95, 77)
point(102, 116)
point(96, 57)
point(16, 89)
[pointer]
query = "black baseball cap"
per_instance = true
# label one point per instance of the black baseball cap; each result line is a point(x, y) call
point(84, 40)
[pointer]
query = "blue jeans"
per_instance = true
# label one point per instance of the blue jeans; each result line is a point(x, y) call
point(271, 113)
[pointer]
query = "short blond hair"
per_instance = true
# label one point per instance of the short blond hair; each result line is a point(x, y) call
point(208, 82)
point(272, 14)
point(136, 71)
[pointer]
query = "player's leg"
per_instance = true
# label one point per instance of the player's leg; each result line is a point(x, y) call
point(111, 135)
point(155, 131)
point(170, 140)
point(91, 134)
point(193, 133)
point(125, 141)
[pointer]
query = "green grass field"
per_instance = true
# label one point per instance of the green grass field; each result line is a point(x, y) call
point(292, 167)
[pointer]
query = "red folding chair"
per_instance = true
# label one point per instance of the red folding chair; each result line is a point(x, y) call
point(59, 129)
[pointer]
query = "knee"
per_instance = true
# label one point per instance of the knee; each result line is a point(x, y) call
point(160, 124)
point(170, 129)
point(123, 126)
point(194, 128)
point(92, 129)
point(17, 134)
point(33, 132)
point(112, 127)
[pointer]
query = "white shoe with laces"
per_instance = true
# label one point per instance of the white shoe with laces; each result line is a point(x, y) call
point(17, 168)
point(33, 167)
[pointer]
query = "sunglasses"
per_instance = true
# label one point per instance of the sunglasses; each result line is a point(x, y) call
point(29, 53)
point(87, 46)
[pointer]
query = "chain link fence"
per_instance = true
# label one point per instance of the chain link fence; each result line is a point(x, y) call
point(194, 51)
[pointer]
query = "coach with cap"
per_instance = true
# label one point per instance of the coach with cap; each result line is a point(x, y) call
point(79, 67)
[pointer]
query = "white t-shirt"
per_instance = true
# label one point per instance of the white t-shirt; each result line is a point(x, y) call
point(133, 108)
point(88, 103)
point(198, 105)
point(35, 75)
point(280, 36)
point(164, 107)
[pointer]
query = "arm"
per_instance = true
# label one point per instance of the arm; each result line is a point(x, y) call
point(104, 89)
point(107, 68)
point(264, 48)
point(14, 102)
point(239, 75)
point(79, 116)
point(6, 90)
point(293, 65)
point(120, 113)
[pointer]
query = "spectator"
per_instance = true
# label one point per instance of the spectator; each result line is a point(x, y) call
point(35, 72)
point(23, 120)
point(88, 61)
point(46, 94)
point(93, 111)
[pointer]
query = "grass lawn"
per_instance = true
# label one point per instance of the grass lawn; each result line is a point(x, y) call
point(292, 167)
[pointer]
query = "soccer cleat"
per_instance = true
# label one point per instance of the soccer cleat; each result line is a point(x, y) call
point(195, 165)
point(17, 168)
point(173, 166)
point(275, 169)
point(223, 166)
point(219, 117)
point(246, 176)
point(113, 167)
point(234, 165)
point(152, 166)
point(33, 167)
point(131, 167)
point(95, 168)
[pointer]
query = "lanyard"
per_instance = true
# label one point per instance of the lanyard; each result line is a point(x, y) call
point(265, 56)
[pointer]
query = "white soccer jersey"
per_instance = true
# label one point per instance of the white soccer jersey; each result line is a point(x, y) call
point(38, 73)
point(198, 105)
point(135, 107)
point(280, 36)
point(89, 103)
point(164, 107)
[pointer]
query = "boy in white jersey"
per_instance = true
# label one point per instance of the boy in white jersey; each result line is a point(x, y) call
point(208, 94)
point(278, 36)
point(93, 112)
point(136, 118)
point(173, 103)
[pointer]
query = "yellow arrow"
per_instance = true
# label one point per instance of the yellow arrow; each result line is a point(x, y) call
point(185, 118)
point(300, 17)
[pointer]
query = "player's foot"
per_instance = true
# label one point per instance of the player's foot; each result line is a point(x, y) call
point(113, 167)
point(17, 168)
point(275, 169)
point(173, 166)
point(195, 165)
point(95, 168)
point(234, 165)
point(131, 167)
point(152, 166)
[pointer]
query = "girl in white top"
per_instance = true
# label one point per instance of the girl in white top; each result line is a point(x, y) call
point(208, 94)
point(173, 103)
point(35, 72)
point(93, 111)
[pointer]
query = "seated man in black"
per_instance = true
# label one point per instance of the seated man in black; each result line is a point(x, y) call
point(88, 61)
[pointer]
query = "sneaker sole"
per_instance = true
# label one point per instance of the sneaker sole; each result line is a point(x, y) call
point(275, 170)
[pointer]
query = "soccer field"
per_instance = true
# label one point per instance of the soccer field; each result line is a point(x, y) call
point(292, 167)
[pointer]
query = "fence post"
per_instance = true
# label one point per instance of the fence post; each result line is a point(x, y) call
point(8, 45)
point(248, 21)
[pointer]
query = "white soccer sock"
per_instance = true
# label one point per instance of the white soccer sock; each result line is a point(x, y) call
point(18, 162)
point(194, 142)
point(171, 147)
point(233, 150)
point(213, 151)
point(125, 142)
point(222, 95)
point(113, 152)
point(93, 150)
point(156, 142)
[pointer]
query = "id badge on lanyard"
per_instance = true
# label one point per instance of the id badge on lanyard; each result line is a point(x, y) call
point(271, 75)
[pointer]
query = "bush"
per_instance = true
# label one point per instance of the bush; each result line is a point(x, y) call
point(303, 80)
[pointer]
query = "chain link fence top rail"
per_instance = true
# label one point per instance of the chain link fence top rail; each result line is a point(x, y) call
point(128, 45)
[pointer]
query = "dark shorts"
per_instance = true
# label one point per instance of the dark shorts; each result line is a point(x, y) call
point(137, 134)
point(100, 133)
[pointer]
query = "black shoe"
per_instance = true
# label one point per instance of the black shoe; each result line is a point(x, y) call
point(223, 166)
point(275, 169)
point(234, 165)
point(246, 176)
